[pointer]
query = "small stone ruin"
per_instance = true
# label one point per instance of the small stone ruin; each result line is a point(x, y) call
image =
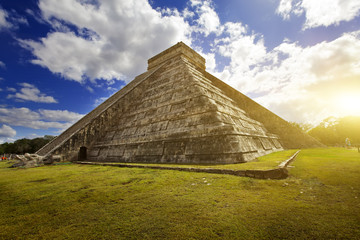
point(34, 160)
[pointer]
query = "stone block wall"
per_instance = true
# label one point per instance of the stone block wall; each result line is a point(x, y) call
point(290, 136)
point(75, 136)
point(177, 112)
point(180, 117)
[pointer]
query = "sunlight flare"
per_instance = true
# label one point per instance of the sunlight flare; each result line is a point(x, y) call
point(349, 103)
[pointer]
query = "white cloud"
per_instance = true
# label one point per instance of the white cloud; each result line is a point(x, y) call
point(303, 84)
point(90, 89)
point(41, 119)
point(320, 12)
point(210, 61)
point(10, 20)
point(29, 92)
point(284, 8)
point(188, 14)
point(208, 21)
point(3, 22)
point(99, 101)
point(112, 40)
point(334, 12)
point(109, 41)
point(60, 115)
point(10, 89)
point(2, 65)
point(245, 51)
point(7, 131)
point(307, 83)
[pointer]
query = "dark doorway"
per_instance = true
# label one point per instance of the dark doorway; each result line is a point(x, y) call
point(82, 154)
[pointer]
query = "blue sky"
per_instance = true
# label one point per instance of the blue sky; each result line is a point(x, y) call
point(60, 59)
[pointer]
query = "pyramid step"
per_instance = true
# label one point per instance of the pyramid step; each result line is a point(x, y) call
point(175, 112)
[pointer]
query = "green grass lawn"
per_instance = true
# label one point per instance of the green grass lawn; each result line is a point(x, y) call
point(320, 200)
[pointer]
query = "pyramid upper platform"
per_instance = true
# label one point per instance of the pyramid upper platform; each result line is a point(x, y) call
point(178, 49)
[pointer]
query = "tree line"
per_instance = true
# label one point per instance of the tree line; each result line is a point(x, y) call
point(25, 145)
point(334, 131)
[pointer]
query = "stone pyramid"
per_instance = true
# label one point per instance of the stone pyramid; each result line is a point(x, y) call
point(177, 112)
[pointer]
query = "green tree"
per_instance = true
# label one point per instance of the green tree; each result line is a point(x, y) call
point(24, 145)
point(333, 131)
point(303, 126)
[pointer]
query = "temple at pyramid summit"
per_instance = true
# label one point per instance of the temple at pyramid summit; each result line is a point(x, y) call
point(176, 112)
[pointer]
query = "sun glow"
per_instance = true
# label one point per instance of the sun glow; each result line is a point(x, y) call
point(349, 104)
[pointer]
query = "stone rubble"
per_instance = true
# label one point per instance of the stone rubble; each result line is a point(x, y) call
point(34, 160)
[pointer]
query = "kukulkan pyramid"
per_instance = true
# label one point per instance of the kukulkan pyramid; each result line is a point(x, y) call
point(177, 112)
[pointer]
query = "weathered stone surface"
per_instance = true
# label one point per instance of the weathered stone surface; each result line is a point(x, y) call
point(176, 50)
point(28, 160)
point(176, 112)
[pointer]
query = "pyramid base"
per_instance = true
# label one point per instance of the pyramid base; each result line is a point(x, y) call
point(230, 158)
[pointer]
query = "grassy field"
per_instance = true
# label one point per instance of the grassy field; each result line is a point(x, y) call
point(320, 200)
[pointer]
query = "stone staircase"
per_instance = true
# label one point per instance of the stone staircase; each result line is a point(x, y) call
point(68, 133)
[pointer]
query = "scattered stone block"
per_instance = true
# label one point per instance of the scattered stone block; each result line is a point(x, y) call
point(28, 160)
